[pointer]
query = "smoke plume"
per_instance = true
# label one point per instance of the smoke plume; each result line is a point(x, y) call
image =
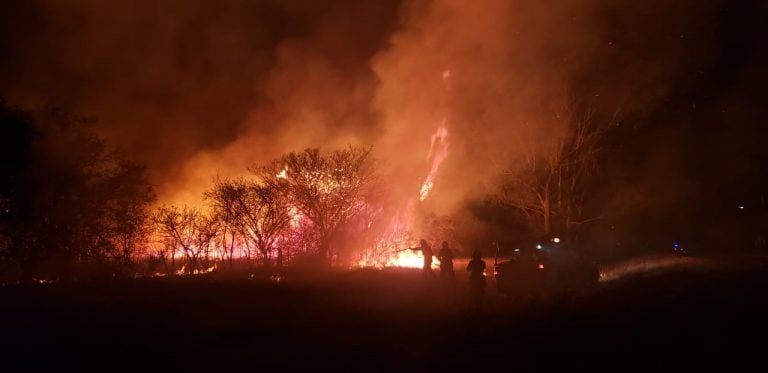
point(198, 89)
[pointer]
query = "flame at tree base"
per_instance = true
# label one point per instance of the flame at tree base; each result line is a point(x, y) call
point(387, 252)
point(182, 271)
point(402, 259)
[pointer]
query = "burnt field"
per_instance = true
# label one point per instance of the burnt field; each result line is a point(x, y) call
point(374, 320)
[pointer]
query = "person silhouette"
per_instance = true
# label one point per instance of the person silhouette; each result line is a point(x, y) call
point(476, 269)
point(426, 251)
point(446, 263)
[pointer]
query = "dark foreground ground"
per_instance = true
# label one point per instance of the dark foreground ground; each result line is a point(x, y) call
point(383, 320)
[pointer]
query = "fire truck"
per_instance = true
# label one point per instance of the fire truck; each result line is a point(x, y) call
point(541, 268)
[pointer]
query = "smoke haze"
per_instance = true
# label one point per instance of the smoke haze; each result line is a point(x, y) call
point(198, 89)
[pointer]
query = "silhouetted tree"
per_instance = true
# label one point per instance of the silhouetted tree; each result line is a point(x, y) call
point(17, 155)
point(328, 189)
point(548, 183)
point(261, 208)
point(125, 195)
point(225, 198)
point(188, 231)
point(300, 241)
point(67, 198)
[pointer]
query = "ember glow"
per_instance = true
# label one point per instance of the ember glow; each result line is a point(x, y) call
point(196, 271)
point(295, 216)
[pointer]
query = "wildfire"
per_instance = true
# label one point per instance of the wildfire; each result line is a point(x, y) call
point(283, 174)
point(295, 216)
point(388, 252)
point(293, 211)
point(181, 271)
point(403, 259)
point(438, 150)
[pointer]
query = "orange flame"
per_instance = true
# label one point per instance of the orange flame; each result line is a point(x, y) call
point(438, 151)
point(283, 174)
point(198, 271)
point(403, 259)
point(399, 229)
point(400, 225)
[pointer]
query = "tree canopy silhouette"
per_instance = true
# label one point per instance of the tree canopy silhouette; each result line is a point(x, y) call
point(328, 189)
point(67, 198)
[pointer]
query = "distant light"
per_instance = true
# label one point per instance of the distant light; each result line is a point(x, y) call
point(541, 266)
point(517, 250)
point(741, 207)
point(538, 247)
point(556, 240)
point(676, 246)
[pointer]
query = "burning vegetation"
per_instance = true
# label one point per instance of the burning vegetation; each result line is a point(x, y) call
point(323, 207)
point(436, 184)
point(303, 207)
point(488, 125)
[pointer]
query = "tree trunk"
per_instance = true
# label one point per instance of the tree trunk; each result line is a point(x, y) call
point(325, 251)
point(279, 257)
point(193, 264)
point(231, 252)
point(265, 254)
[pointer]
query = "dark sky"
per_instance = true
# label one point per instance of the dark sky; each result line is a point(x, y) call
point(195, 88)
point(168, 79)
point(702, 145)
